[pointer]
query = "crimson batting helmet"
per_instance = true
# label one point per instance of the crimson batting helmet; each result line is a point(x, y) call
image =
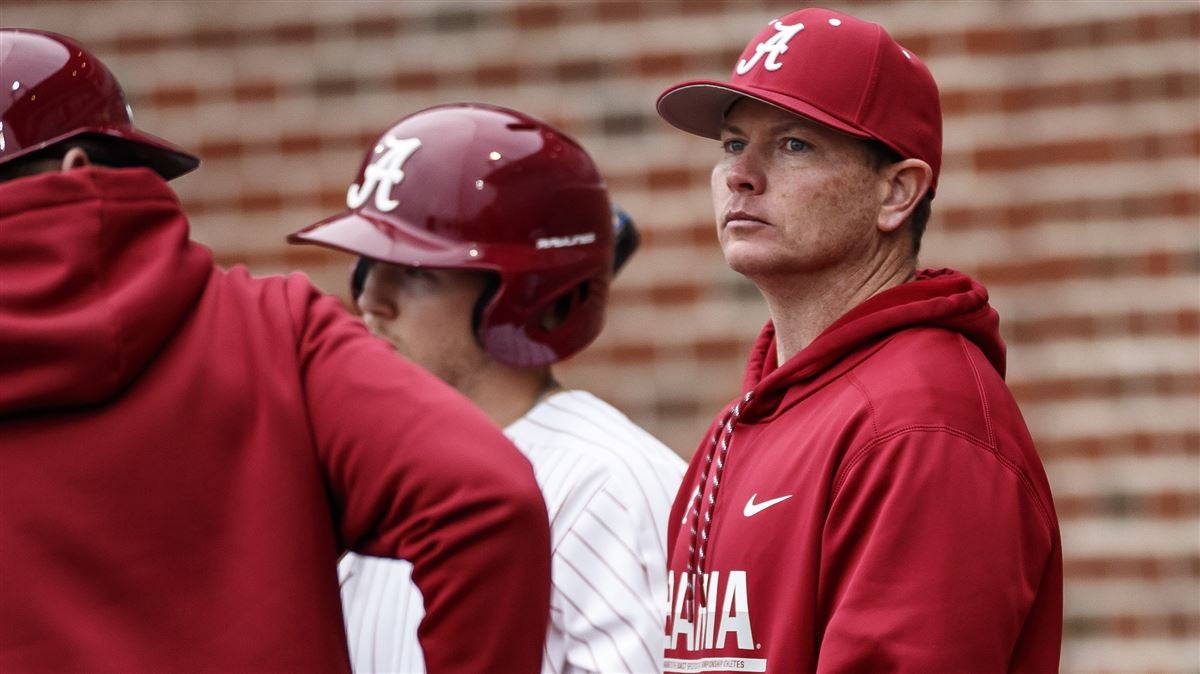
point(53, 91)
point(473, 186)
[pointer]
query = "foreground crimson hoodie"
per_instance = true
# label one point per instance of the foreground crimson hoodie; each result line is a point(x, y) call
point(879, 507)
point(185, 452)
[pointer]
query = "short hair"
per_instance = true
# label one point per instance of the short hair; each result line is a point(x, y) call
point(880, 155)
point(100, 153)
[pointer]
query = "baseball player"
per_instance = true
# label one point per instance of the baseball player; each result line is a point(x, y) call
point(186, 451)
point(872, 502)
point(486, 246)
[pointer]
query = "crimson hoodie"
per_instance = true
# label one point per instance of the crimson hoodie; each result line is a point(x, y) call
point(875, 504)
point(185, 452)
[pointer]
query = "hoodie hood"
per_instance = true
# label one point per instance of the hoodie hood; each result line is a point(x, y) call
point(937, 298)
point(97, 274)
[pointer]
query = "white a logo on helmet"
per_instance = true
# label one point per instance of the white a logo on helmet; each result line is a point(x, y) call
point(773, 47)
point(382, 176)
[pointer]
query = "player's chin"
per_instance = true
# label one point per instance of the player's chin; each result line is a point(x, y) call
point(748, 258)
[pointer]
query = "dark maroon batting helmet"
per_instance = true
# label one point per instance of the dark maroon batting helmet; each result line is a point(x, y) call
point(53, 91)
point(472, 186)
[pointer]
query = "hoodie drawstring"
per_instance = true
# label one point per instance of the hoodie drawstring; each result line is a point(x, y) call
point(698, 529)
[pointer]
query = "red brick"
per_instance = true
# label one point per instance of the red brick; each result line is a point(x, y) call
point(1016, 215)
point(416, 79)
point(1039, 390)
point(1145, 568)
point(632, 353)
point(290, 33)
point(580, 69)
point(993, 40)
point(255, 92)
point(665, 179)
point(1159, 506)
point(1126, 626)
point(676, 408)
point(718, 349)
point(1187, 322)
point(332, 200)
point(299, 143)
point(134, 43)
point(220, 149)
point(1116, 265)
point(180, 96)
point(376, 26)
point(537, 15)
point(694, 7)
point(215, 38)
point(1084, 151)
point(498, 74)
point(260, 202)
point(1132, 444)
point(681, 293)
point(659, 64)
point(618, 10)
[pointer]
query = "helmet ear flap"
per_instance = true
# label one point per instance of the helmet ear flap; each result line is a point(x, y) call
point(533, 336)
point(562, 307)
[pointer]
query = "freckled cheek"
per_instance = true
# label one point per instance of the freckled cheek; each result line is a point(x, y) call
point(850, 196)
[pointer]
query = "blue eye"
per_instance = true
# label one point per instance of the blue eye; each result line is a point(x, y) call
point(796, 145)
point(733, 145)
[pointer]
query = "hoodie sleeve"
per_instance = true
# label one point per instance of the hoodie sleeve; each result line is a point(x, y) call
point(415, 471)
point(931, 559)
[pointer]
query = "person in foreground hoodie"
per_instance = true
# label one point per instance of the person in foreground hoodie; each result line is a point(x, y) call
point(185, 451)
point(872, 501)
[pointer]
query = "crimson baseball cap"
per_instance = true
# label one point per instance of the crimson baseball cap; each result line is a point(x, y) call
point(832, 68)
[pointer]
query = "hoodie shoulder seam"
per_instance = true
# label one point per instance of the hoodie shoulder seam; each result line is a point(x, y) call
point(862, 389)
point(979, 389)
point(978, 443)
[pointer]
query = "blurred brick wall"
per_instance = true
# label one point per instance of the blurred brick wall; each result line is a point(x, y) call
point(1070, 187)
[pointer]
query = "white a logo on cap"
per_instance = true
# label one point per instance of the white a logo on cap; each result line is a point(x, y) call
point(383, 174)
point(773, 48)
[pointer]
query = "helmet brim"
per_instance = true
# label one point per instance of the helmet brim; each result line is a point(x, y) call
point(153, 152)
point(358, 234)
point(126, 147)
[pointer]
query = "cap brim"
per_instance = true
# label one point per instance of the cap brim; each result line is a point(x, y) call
point(699, 107)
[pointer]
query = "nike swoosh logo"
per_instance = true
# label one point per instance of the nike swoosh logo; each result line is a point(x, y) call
point(753, 508)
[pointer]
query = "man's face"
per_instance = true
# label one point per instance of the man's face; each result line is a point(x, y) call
point(427, 314)
point(792, 196)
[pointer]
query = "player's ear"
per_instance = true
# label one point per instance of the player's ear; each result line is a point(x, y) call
point(75, 158)
point(902, 185)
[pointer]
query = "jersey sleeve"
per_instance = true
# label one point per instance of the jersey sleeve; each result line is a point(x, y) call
point(932, 556)
point(609, 593)
point(415, 471)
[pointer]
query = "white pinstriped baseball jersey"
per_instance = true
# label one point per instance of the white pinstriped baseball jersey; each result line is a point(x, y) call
point(608, 487)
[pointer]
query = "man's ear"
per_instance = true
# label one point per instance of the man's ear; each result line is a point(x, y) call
point(902, 186)
point(75, 158)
